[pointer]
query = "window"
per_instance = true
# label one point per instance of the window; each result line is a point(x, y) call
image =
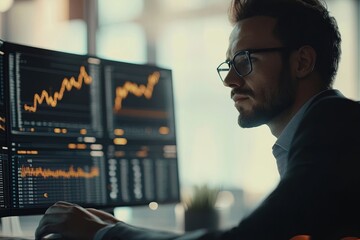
point(44, 24)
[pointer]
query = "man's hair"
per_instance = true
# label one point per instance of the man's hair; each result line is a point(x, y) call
point(299, 23)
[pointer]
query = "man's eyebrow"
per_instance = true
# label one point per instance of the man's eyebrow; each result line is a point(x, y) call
point(244, 50)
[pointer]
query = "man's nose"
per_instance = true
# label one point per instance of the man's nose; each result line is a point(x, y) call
point(233, 79)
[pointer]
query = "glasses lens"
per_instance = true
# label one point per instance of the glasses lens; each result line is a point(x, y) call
point(242, 64)
point(223, 70)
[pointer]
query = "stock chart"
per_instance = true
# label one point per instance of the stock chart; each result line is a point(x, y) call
point(83, 129)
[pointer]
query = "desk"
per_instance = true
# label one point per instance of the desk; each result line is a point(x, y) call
point(15, 238)
point(19, 228)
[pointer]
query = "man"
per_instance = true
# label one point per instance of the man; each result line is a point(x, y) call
point(281, 62)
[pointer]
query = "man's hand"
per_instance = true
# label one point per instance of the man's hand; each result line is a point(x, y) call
point(71, 221)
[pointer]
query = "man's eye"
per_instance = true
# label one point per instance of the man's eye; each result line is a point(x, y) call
point(242, 62)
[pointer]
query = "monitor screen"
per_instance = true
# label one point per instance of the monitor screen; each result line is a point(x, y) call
point(83, 129)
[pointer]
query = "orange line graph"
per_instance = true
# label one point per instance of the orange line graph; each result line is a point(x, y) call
point(2, 127)
point(138, 90)
point(70, 173)
point(66, 85)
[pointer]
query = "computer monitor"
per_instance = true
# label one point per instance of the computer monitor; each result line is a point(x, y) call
point(83, 129)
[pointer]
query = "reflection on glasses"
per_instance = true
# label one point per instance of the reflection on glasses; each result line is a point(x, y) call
point(241, 62)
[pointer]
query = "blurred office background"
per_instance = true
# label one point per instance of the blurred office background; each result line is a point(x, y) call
point(190, 37)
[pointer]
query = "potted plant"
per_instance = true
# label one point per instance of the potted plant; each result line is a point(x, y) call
point(200, 210)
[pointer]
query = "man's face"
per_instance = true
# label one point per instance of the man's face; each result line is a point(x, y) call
point(269, 89)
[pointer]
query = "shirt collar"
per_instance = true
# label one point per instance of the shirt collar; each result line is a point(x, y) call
point(282, 145)
point(285, 138)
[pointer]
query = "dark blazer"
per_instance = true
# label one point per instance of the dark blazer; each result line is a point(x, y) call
point(319, 194)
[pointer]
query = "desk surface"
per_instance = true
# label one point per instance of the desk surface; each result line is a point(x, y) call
point(18, 228)
point(15, 238)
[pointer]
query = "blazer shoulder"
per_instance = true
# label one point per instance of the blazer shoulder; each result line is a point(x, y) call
point(334, 105)
point(330, 119)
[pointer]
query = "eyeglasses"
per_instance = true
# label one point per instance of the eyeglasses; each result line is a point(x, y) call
point(241, 62)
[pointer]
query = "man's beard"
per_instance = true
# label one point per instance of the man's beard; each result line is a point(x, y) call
point(274, 104)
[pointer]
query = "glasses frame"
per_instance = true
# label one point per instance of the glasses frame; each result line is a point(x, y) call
point(248, 53)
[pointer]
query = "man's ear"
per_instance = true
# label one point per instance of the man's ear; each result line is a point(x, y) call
point(305, 61)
